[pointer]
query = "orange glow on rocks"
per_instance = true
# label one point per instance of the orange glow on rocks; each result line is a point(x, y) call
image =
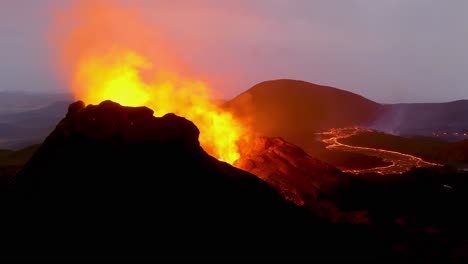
point(109, 52)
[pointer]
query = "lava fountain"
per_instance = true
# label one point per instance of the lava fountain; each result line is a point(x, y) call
point(110, 52)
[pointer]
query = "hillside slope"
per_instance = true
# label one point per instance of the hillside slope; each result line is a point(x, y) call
point(295, 109)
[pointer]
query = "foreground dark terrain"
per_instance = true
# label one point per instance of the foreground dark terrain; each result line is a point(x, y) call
point(113, 181)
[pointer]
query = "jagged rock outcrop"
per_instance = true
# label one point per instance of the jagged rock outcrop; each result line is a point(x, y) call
point(116, 181)
point(299, 177)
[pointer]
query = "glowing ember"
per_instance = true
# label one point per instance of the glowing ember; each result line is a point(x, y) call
point(112, 54)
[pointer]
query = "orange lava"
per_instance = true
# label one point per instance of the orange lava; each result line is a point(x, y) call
point(108, 52)
point(400, 162)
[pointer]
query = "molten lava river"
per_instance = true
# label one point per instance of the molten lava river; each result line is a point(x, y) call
point(400, 162)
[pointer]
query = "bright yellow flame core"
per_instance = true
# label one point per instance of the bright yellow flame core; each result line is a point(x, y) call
point(118, 76)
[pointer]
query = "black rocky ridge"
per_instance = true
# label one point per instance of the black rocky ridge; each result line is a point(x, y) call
point(117, 182)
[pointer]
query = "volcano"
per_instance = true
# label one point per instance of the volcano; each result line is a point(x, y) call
point(300, 178)
point(114, 181)
point(300, 109)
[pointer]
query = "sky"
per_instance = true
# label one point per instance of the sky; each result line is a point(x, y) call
point(389, 51)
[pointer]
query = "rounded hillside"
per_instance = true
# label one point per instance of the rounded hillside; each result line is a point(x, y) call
point(296, 109)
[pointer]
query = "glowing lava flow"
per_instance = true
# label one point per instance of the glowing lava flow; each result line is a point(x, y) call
point(400, 162)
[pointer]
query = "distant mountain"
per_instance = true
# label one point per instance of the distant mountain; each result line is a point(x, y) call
point(18, 130)
point(113, 181)
point(444, 120)
point(22, 101)
point(295, 110)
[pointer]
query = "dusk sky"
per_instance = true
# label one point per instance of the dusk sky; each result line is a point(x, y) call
point(388, 50)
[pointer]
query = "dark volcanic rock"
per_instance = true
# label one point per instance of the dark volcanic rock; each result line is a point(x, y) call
point(6, 176)
point(300, 178)
point(115, 181)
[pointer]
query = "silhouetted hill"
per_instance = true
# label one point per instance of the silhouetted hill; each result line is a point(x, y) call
point(445, 120)
point(23, 101)
point(295, 109)
point(115, 181)
point(37, 116)
point(18, 130)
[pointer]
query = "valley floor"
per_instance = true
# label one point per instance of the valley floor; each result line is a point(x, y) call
point(399, 162)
